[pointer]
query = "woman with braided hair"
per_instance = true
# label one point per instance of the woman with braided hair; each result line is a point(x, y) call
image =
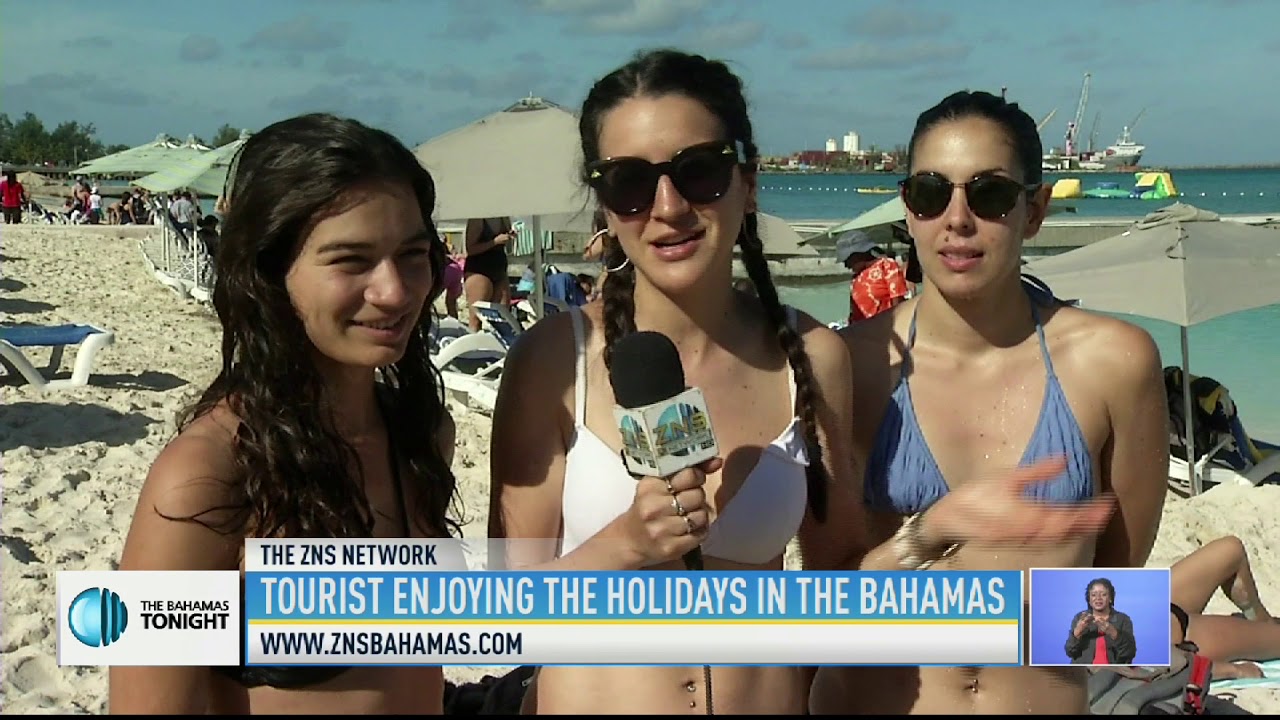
point(670, 155)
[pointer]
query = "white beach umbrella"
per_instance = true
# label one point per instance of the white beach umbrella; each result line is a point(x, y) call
point(523, 161)
point(1179, 264)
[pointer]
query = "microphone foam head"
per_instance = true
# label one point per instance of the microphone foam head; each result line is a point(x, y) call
point(646, 369)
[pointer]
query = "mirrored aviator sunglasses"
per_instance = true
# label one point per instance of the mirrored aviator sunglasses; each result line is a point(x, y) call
point(700, 173)
point(990, 197)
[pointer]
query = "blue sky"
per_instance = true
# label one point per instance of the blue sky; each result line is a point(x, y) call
point(1206, 70)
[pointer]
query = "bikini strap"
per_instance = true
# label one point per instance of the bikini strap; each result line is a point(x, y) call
point(911, 332)
point(579, 367)
point(1044, 345)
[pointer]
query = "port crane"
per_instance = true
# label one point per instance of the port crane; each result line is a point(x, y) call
point(1073, 127)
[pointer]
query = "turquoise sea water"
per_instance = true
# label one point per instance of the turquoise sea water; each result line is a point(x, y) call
point(1242, 351)
point(832, 197)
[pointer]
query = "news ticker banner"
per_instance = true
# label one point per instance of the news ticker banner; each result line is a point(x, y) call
point(427, 602)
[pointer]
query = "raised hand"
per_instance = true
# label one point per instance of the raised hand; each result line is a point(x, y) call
point(996, 511)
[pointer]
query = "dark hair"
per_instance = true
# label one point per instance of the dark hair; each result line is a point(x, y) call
point(1104, 582)
point(292, 464)
point(1019, 126)
point(11, 176)
point(662, 72)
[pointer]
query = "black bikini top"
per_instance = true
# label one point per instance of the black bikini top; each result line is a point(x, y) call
point(292, 678)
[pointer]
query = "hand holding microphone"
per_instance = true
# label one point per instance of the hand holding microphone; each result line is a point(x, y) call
point(668, 518)
point(668, 444)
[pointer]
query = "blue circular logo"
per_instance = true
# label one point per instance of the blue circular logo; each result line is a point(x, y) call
point(97, 617)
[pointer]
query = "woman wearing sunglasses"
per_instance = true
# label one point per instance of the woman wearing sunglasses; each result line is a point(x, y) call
point(670, 155)
point(983, 372)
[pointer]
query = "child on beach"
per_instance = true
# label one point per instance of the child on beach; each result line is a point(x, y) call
point(326, 418)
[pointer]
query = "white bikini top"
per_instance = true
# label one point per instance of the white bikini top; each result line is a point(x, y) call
point(754, 527)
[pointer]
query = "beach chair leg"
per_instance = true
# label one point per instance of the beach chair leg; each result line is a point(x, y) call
point(86, 355)
point(16, 363)
point(55, 359)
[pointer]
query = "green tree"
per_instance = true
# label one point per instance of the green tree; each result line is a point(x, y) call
point(224, 135)
point(27, 142)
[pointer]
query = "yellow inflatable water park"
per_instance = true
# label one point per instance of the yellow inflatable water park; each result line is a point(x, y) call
point(1154, 186)
point(1147, 186)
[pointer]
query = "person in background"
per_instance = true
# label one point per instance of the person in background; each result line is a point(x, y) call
point(208, 234)
point(1235, 643)
point(139, 207)
point(184, 213)
point(878, 280)
point(485, 273)
point(588, 286)
point(14, 196)
point(94, 216)
point(121, 211)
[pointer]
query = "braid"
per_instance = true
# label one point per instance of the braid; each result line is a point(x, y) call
point(619, 298)
point(758, 270)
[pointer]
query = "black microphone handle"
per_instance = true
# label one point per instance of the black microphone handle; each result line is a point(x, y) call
point(693, 559)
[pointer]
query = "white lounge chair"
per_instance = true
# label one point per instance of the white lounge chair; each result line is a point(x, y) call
point(1230, 457)
point(550, 306)
point(1213, 472)
point(481, 346)
point(91, 339)
point(500, 321)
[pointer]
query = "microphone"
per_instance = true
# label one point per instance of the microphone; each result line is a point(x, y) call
point(664, 425)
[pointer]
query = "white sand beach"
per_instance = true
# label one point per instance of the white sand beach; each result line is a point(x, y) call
point(72, 460)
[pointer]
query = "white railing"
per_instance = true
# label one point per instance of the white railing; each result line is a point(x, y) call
point(178, 261)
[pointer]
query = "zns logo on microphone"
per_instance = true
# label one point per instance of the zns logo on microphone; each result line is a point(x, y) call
point(97, 617)
point(682, 428)
point(636, 441)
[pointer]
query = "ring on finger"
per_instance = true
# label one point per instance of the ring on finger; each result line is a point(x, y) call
point(688, 521)
point(675, 503)
point(670, 490)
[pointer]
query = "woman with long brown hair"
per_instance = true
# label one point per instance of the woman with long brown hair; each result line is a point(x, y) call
point(326, 418)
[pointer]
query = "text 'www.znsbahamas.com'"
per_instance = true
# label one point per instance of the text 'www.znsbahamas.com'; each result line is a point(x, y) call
point(292, 644)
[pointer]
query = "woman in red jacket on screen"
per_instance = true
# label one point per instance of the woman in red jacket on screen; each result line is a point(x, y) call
point(1100, 634)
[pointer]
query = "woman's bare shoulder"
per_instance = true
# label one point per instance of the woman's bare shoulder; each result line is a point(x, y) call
point(1108, 349)
point(193, 483)
point(879, 341)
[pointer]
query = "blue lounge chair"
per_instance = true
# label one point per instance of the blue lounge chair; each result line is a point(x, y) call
point(56, 337)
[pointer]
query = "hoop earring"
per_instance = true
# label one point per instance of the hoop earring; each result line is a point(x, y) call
point(597, 236)
point(621, 266)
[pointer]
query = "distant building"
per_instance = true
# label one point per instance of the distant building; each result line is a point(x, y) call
point(820, 158)
point(852, 143)
point(831, 144)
